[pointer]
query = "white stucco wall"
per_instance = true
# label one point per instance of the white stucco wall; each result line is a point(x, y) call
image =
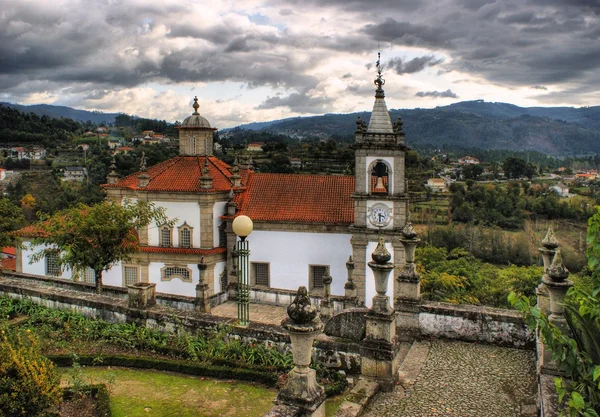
point(182, 211)
point(218, 211)
point(113, 276)
point(37, 268)
point(176, 285)
point(291, 253)
point(370, 280)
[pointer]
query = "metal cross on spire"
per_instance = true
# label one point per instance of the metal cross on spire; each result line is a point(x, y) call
point(379, 81)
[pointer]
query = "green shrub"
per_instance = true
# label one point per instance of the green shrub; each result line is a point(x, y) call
point(29, 385)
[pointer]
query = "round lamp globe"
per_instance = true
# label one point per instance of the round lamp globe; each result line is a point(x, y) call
point(242, 226)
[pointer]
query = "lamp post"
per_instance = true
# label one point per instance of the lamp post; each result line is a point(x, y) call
point(242, 227)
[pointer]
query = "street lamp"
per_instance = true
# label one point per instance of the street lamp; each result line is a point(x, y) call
point(242, 227)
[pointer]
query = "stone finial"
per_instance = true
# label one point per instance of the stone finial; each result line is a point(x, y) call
point(557, 270)
point(112, 176)
point(143, 167)
point(409, 231)
point(196, 106)
point(361, 125)
point(236, 179)
point(381, 255)
point(302, 311)
point(549, 241)
point(398, 126)
point(206, 181)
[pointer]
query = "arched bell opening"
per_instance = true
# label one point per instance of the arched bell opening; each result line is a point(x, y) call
point(380, 183)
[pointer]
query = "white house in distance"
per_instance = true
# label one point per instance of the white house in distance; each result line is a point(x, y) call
point(304, 225)
point(436, 185)
point(468, 160)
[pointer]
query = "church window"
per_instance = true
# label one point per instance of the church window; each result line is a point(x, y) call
point(260, 274)
point(380, 178)
point(317, 272)
point(171, 272)
point(185, 236)
point(165, 236)
point(52, 266)
point(130, 275)
point(223, 235)
point(224, 281)
point(89, 276)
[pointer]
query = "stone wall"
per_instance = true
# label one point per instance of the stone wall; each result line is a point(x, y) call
point(334, 349)
point(475, 324)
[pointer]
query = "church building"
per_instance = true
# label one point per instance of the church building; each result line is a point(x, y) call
point(305, 226)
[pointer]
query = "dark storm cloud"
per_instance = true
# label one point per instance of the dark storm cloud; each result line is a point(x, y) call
point(414, 65)
point(406, 33)
point(518, 43)
point(437, 94)
point(298, 102)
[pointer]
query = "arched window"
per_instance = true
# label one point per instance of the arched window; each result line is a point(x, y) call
point(185, 236)
point(380, 178)
point(165, 236)
point(172, 272)
point(223, 235)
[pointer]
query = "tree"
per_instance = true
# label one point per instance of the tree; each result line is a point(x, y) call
point(96, 237)
point(515, 167)
point(577, 353)
point(472, 171)
point(11, 218)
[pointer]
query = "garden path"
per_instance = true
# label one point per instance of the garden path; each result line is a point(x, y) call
point(259, 313)
point(461, 379)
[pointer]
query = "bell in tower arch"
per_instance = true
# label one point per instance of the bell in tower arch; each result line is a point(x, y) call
point(380, 175)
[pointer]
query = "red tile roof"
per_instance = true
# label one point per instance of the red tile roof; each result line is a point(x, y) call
point(298, 198)
point(181, 174)
point(8, 263)
point(28, 231)
point(190, 251)
point(9, 251)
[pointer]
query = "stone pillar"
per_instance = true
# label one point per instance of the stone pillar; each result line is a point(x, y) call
point(206, 225)
point(302, 396)
point(359, 250)
point(202, 303)
point(557, 284)
point(350, 286)
point(141, 295)
point(379, 348)
point(409, 288)
point(326, 304)
point(548, 250)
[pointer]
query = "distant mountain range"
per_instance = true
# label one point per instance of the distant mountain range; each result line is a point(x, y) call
point(66, 112)
point(557, 131)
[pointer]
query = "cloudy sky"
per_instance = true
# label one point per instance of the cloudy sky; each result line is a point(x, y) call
point(257, 60)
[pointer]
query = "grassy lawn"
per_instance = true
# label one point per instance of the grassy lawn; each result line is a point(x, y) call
point(162, 394)
point(136, 392)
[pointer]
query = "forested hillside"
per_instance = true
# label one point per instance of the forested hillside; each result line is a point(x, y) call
point(28, 128)
point(552, 131)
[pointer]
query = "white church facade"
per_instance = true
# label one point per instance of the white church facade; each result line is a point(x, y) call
point(305, 226)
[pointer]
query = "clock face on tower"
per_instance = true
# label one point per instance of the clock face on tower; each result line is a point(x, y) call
point(380, 215)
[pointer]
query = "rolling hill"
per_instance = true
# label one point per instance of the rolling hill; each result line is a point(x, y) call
point(557, 131)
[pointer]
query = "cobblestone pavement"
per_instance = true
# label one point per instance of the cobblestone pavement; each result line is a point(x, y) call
point(464, 380)
point(259, 313)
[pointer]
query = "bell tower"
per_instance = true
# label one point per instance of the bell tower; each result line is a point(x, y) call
point(380, 195)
